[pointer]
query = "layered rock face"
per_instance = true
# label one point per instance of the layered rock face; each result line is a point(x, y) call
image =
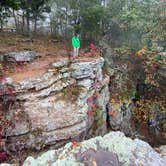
point(113, 149)
point(56, 107)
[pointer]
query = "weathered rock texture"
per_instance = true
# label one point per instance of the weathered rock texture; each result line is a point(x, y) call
point(53, 108)
point(22, 56)
point(113, 149)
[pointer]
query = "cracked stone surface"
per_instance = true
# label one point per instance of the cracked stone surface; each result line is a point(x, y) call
point(44, 112)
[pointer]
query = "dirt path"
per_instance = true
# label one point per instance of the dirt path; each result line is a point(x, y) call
point(48, 50)
point(38, 66)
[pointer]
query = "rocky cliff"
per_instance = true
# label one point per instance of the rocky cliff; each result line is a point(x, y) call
point(67, 102)
point(137, 92)
point(113, 149)
point(71, 102)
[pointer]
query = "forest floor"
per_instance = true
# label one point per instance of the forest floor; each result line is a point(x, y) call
point(48, 49)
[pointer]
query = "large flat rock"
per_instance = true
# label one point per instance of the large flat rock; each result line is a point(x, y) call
point(113, 149)
point(22, 56)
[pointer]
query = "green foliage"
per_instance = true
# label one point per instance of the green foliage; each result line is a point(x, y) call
point(71, 92)
point(121, 50)
point(33, 11)
point(9, 4)
point(92, 21)
point(128, 94)
point(5, 9)
point(98, 113)
point(38, 7)
point(74, 15)
point(132, 22)
point(158, 58)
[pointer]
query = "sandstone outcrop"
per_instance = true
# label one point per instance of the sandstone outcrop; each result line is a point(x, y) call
point(56, 107)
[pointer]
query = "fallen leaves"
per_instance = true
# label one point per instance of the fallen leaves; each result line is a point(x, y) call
point(142, 52)
point(3, 156)
point(113, 113)
point(74, 146)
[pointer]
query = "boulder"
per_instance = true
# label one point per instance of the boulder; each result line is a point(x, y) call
point(60, 64)
point(112, 149)
point(162, 150)
point(88, 69)
point(22, 56)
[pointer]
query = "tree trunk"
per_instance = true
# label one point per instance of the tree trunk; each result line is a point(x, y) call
point(1, 22)
point(15, 20)
point(23, 22)
point(35, 24)
point(28, 22)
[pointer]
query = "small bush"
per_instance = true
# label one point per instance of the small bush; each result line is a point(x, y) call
point(72, 92)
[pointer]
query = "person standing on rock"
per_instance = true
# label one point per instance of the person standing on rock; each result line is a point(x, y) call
point(76, 45)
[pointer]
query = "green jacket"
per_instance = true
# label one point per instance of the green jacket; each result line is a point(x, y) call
point(75, 42)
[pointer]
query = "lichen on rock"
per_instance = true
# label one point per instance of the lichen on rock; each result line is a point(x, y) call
point(112, 149)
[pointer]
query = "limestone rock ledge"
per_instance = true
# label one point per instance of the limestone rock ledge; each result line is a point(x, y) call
point(112, 149)
point(52, 108)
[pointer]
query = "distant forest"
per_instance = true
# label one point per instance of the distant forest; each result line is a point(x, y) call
point(135, 23)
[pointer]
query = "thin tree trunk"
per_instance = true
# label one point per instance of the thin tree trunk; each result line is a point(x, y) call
point(23, 22)
point(35, 24)
point(15, 20)
point(1, 22)
point(28, 22)
point(28, 25)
